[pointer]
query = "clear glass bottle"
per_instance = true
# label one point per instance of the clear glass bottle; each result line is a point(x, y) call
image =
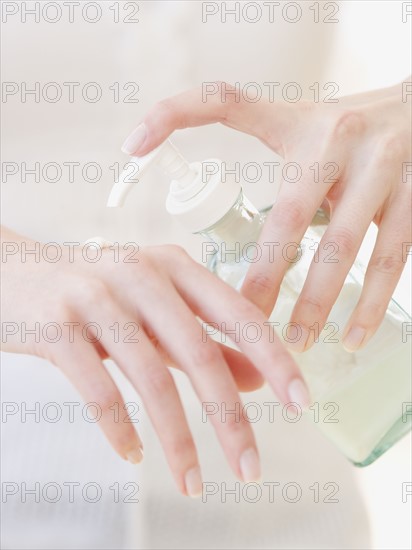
point(360, 400)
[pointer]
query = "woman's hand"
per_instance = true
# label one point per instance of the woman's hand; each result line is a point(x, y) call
point(362, 146)
point(143, 316)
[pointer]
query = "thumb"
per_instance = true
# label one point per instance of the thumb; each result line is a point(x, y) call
point(212, 102)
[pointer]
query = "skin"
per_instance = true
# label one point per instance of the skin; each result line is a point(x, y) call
point(162, 294)
point(368, 138)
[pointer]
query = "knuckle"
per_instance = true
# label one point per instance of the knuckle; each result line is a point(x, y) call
point(158, 382)
point(313, 304)
point(289, 214)
point(345, 241)
point(386, 264)
point(348, 124)
point(390, 148)
point(144, 274)
point(140, 270)
point(235, 420)
point(204, 354)
point(257, 283)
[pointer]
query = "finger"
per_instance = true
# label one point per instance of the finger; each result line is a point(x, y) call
point(295, 207)
point(330, 265)
point(384, 270)
point(338, 249)
point(282, 232)
point(246, 376)
point(216, 302)
point(153, 381)
point(136, 357)
point(211, 103)
point(203, 362)
point(81, 364)
point(284, 228)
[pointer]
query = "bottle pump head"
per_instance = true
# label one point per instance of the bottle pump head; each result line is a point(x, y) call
point(197, 195)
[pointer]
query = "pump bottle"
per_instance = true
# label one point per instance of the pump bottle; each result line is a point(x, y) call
point(362, 400)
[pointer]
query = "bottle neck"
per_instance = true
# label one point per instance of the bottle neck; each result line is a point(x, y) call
point(240, 226)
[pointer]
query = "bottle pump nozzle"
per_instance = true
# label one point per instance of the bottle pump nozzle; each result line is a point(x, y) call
point(168, 159)
point(197, 195)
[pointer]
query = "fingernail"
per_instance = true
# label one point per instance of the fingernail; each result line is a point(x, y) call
point(298, 393)
point(135, 140)
point(353, 340)
point(135, 455)
point(298, 340)
point(193, 482)
point(250, 465)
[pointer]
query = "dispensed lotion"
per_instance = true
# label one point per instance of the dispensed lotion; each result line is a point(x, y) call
point(362, 400)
